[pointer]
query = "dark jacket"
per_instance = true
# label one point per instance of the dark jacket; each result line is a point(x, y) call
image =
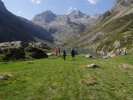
point(64, 53)
point(73, 53)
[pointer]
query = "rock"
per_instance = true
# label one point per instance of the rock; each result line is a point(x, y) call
point(39, 45)
point(88, 56)
point(5, 76)
point(92, 66)
point(35, 53)
point(111, 54)
point(117, 44)
point(14, 44)
point(50, 54)
point(13, 54)
point(124, 52)
point(105, 57)
point(19, 44)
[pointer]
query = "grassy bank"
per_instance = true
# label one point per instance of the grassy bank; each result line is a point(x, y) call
point(55, 79)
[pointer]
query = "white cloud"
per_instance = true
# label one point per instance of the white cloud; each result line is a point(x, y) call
point(19, 13)
point(70, 9)
point(93, 1)
point(36, 1)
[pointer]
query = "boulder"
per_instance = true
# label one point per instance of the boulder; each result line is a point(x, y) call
point(111, 54)
point(92, 66)
point(50, 54)
point(5, 76)
point(14, 54)
point(88, 56)
point(19, 44)
point(14, 44)
point(105, 57)
point(40, 45)
point(117, 44)
point(35, 53)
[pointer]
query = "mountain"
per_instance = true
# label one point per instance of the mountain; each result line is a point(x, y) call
point(120, 4)
point(75, 14)
point(63, 27)
point(2, 7)
point(13, 28)
point(45, 17)
point(114, 26)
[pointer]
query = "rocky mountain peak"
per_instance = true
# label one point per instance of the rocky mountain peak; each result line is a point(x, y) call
point(120, 4)
point(76, 14)
point(45, 17)
point(48, 12)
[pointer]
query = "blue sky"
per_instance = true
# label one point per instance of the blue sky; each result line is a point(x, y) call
point(29, 8)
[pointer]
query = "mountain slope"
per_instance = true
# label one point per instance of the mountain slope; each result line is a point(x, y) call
point(114, 25)
point(14, 28)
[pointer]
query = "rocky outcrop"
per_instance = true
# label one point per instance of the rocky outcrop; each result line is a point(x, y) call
point(35, 53)
point(14, 44)
point(18, 50)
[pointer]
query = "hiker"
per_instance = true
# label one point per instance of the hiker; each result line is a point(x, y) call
point(73, 54)
point(64, 55)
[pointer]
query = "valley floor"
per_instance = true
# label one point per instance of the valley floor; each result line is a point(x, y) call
point(55, 79)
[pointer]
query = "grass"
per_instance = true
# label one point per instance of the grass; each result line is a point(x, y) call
point(55, 79)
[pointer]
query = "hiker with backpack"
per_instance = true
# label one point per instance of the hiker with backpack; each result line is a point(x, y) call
point(73, 54)
point(64, 55)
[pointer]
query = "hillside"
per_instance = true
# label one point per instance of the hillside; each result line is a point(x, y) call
point(115, 25)
point(13, 28)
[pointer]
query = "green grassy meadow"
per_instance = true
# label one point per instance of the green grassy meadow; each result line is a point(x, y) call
point(55, 79)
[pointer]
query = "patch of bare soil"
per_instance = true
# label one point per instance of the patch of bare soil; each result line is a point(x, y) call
point(124, 66)
point(5, 76)
point(88, 81)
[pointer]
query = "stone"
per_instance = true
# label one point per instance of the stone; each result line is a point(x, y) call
point(19, 44)
point(92, 66)
point(88, 56)
point(5, 76)
point(50, 54)
point(117, 44)
point(39, 45)
point(35, 53)
point(111, 54)
point(14, 44)
point(14, 54)
point(105, 57)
